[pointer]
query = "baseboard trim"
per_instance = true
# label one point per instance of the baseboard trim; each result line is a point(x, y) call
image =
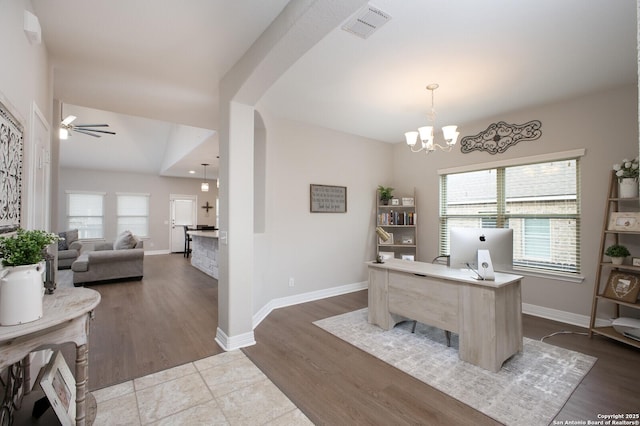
point(306, 297)
point(562, 316)
point(527, 308)
point(234, 342)
point(156, 252)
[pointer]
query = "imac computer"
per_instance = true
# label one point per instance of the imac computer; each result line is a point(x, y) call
point(464, 244)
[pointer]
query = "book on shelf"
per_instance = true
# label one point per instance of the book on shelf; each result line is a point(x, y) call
point(397, 218)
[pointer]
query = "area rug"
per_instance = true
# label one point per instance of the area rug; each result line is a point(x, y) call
point(531, 388)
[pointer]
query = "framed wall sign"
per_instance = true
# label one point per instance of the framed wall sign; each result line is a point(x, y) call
point(11, 148)
point(328, 199)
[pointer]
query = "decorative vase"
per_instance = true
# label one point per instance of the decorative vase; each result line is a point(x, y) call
point(617, 260)
point(21, 293)
point(628, 188)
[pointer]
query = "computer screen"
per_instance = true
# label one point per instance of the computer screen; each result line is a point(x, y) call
point(464, 244)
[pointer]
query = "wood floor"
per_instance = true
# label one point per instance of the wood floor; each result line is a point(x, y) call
point(141, 327)
point(170, 318)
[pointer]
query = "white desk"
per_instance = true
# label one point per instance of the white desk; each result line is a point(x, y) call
point(487, 315)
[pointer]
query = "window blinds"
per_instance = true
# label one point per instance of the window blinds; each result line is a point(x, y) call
point(540, 202)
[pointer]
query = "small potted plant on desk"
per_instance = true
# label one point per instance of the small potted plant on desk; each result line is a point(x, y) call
point(21, 280)
point(617, 253)
point(385, 194)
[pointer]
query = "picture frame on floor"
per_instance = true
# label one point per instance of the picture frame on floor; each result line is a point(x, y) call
point(59, 386)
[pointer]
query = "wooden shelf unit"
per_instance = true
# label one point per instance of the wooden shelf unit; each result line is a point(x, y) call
point(388, 217)
point(608, 237)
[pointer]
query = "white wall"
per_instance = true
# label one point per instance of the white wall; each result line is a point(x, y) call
point(158, 186)
point(317, 250)
point(604, 123)
point(24, 78)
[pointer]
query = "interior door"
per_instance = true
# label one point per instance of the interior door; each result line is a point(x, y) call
point(40, 171)
point(183, 213)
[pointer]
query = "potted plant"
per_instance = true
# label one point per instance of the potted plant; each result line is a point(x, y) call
point(21, 281)
point(617, 253)
point(627, 173)
point(385, 194)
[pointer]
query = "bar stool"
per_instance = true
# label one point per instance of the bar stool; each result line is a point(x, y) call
point(187, 242)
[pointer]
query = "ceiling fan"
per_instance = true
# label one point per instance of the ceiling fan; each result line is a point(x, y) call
point(66, 127)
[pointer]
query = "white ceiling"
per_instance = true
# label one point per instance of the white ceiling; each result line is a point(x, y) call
point(163, 61)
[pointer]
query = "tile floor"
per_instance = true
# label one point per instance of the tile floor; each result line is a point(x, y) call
point(226, 389)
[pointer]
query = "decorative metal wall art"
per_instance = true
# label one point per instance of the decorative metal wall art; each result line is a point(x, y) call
point(501, 136)
point(11, 146)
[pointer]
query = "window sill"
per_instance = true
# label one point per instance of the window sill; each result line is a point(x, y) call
point(558, 276)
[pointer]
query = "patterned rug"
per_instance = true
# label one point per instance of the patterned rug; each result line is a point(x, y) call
point(531, 388)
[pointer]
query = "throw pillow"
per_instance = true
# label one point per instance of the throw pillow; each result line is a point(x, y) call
point(125, 241)
point(62, 244)
point(72, 235)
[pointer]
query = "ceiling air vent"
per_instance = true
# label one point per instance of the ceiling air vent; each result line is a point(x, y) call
point(366, 21)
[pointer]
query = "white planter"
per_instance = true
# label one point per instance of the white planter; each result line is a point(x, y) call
point(21, 293)
point(628, 188)
point(617, 260)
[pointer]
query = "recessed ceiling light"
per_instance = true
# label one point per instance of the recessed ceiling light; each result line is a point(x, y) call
point(191, 172)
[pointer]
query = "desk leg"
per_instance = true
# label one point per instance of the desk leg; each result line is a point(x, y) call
point(82, 367)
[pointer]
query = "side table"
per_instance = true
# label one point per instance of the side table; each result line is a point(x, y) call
point(66, 316)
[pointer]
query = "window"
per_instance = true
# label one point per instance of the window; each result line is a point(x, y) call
point(85, 212)
point(133, 214)
point(539, 201)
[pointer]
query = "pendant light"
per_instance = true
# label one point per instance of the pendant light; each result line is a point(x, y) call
point(204, 187)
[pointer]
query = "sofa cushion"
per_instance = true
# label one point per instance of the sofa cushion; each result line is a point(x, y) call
point(125, 241)
point(67, 254)
point(81, 264)
point(62, 244)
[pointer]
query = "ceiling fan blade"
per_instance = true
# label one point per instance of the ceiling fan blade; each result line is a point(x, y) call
point(91, 125)
point(68, 120)
point(82, 129)
point(86, 133)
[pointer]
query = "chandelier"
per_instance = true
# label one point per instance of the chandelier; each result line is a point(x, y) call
point(204, 187)
point(425, 133)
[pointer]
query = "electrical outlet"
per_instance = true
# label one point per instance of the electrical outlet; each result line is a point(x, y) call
point(291, 282)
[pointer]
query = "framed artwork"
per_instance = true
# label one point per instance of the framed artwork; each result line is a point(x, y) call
point(624, 221)
point(407, 239)
point(327, 199)
point(11, 151)
point(408, 257)
point(407, 201)
point(389, 242)
point(395, 201)
point(623, 286)
point(59, 386)
point(386, 255)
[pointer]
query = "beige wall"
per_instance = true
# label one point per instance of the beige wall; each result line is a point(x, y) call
point(317, 250)
point(159, 187)
point(24, 80)
point(604, 123)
